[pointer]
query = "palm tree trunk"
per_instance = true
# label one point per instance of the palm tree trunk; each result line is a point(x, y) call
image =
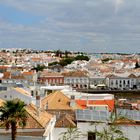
point(13, 130)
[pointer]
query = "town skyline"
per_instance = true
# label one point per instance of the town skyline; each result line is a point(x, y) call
point(90, 26)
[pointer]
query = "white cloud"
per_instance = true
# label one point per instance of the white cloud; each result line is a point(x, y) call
point(118, 4)
point(66, 23)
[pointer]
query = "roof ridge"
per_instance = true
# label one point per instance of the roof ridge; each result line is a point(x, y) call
point(34, 117)
point(69, 119)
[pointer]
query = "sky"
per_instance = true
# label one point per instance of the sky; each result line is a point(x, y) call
point(94, 26)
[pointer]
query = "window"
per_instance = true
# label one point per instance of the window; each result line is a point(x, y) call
point(57, 81)
point(91, 136)
point(124, 82)
point(32, 93)
point(85, 80)
point(5, 96)
point(128, 82)
point(61, 81)
point(72, 80)
point(112, 83)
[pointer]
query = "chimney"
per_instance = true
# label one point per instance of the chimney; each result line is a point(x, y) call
point(38, 105)
point(46, 105)
point(72, 101)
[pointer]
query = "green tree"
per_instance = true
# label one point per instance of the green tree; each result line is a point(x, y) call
point(106, 60)
point(53, 63)
point(39, 68)
point(58, 53)
point(111, 131)
point(137, 65)
point(70, 134)
point(82, 57)
point(66, 61)
point(13, 114)
point(66, 54)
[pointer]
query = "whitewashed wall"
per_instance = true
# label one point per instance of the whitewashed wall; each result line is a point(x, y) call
point(132, 132)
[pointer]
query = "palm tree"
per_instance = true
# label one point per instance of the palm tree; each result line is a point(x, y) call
point(13, 114)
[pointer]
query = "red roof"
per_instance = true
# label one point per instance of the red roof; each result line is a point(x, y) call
point(3, 67)
point(83, 103)
point(28, 73)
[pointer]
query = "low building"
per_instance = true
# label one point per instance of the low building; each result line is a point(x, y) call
point(51, 78)
point(19, 93)
point(77, 79)
point(63, 107)
point(30, 76)
point(117, 82)
point(97, 82)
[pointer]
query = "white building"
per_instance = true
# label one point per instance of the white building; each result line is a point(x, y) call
point(76, 79)
point(116, 82)
point(19, 93)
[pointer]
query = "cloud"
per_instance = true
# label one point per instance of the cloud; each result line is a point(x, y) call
point(118, 4)
point(89, 25)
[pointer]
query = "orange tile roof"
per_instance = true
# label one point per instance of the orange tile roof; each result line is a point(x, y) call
point(28, 73)
point(6, 75)
point(65, 121)
point(111, 76)
point(3, 67)
point(76, 74)
point(22, 91)
point(18, 77)
point(128, 60)
point(51, 74)
point(58, 101)
point(1, 102)
point(84, 103)
point(42, 119)
point(132, 76)
point(33, 119)
point(36, 59)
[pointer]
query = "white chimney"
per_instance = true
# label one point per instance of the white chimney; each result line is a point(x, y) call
point(38, 102)
point(72, 101)
point(38, 105)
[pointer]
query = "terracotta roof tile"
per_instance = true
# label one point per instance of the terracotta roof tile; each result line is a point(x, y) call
point(18, 77)
point(22, 91)
point(1, 102)
point(65, 121)
point(111, 76)
point(57, 100)
point(33, 119)
point(36, 59)
point(51, 74)
point(28, 73)
point(132, 76)
point(3, 67)
point(6, 75)
point(76, 74)
point(84, 103)
point(42, 118)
